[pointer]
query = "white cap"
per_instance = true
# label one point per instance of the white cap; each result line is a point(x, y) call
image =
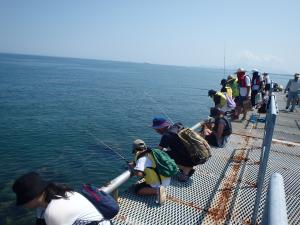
point(240, 70)
point(255, 71)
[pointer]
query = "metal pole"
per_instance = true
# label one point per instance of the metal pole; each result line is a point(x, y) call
point(270, 124)
point(275, 209)
point(117, 182)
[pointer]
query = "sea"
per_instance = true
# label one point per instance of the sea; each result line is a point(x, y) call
point(62, 116)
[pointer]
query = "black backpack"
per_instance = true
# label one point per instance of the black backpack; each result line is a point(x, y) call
point(228, 128)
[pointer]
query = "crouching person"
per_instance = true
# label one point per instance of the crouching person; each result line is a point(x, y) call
point(145, 166)
point(218, 133)
point(56, 204)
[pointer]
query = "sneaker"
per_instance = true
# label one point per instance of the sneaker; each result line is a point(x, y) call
point(291, 110)
point(162, 195)
point(183, 178)
point(286, 107)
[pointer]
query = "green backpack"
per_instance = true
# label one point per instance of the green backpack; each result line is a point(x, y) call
point(165, 166)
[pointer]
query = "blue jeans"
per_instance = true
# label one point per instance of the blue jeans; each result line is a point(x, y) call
point(292, 96)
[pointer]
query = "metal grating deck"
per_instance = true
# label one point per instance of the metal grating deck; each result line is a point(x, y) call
point(223, 190)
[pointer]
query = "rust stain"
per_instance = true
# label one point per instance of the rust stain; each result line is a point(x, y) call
point(220, 212)
point(181, 202)
point(121, 217)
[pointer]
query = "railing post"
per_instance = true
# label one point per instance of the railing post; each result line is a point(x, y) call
point(266, 146)
point(275, 208)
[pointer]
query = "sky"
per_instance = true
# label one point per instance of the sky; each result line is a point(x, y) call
point(262, 34)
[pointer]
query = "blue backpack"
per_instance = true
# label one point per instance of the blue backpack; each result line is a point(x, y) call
point(104, 202)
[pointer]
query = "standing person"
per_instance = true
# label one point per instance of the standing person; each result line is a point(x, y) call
point(293, 88)
point(225, 88)
point(232, 82)
point(267, 83)
point(245, 93)
point(145, 165)
point(57, 204)
point(171, 143)
point(220, 130)
point(256, 85)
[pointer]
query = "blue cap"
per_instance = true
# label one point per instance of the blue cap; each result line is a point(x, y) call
point(160, 122)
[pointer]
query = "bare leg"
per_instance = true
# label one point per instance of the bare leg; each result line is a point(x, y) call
point(148, 191)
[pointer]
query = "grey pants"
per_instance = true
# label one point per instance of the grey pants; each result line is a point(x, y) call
point(292, 96)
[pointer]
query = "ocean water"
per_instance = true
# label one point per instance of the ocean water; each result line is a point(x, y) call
point(50, 109)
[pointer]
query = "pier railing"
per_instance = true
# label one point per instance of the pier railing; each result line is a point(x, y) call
point(264, 157)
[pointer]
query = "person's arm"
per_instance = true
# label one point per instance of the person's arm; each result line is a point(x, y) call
point(248, 84)
point(220, 130)
point(287, 86)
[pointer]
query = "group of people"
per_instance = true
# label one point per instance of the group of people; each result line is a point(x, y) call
point(246, 92)
point(59, 204)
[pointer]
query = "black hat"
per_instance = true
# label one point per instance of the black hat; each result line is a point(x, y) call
point(211, 93)
point(28, 187)
point(223, 82)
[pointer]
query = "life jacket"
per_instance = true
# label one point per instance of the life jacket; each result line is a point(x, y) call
point(234, 86)
point(255, 81)
point(227, 129)
point(223, 98)
point(242, 81)
point(150, 176)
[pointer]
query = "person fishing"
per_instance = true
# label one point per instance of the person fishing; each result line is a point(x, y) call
point(144, 166)
point(56, 204)
point(226, 88)
point(220, 100)
point(171, 143)
point(232, 82)
point(218, 132)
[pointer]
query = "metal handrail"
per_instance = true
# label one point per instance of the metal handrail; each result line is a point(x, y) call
point(266, 146)
point(275, 212)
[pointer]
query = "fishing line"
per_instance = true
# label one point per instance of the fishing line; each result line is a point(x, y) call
point(107, 146)
point(159, 106)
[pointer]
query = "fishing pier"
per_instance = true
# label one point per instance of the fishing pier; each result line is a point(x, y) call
point(255, 179)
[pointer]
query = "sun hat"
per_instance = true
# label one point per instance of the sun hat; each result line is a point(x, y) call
point(138, 144)
point(240, 70)
point(160, 122)
point(296, 74)
point(28, 187)
point(255, 71)
point(211, 93)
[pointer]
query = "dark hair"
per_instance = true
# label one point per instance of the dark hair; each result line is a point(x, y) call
point(56, 191)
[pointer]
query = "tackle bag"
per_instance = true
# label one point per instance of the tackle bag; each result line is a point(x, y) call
point(165, 165)
point(196, 146)
point(103, 202)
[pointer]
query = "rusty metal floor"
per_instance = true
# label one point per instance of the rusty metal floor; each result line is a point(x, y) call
point(223, 190)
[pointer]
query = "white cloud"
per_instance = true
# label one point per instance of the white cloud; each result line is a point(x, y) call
point(265, 62)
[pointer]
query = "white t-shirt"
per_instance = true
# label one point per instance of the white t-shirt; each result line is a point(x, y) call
point(76, 210)
point(144, 162)
point(243, 90)
point(267, 79)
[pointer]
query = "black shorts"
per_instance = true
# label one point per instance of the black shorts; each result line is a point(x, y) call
point(181, 158)
point(140, 186)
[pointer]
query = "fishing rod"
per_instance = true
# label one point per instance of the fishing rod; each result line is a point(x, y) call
point(107, 146)
point(159, 106)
